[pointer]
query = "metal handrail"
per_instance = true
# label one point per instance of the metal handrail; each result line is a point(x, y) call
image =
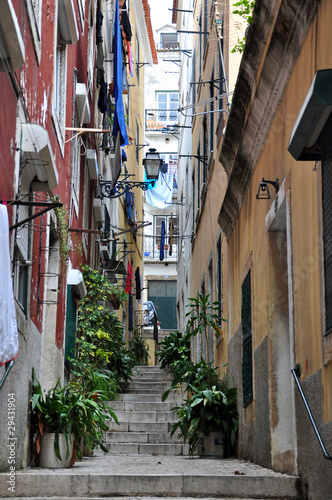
point(296, 372)
point(8, 368)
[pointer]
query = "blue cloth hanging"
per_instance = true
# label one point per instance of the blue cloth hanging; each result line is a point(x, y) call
point(162, 241)
point(119, 124)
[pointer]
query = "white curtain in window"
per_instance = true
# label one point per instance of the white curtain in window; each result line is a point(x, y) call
point(8, 325)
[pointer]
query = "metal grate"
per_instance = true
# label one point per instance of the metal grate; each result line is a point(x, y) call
point(246, 341)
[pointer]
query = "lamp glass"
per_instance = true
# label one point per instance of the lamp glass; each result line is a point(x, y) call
point(152, 162)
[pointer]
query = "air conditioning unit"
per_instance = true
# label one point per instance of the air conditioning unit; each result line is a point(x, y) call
point(104, 253)
point(82, 103)
point(98, 210)
point(91, 161)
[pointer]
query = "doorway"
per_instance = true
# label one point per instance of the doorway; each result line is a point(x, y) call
point(282, 409)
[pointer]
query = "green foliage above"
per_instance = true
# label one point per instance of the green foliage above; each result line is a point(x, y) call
point(100, 332)
point(174, 352)
point(245, 9)
point(139, 350)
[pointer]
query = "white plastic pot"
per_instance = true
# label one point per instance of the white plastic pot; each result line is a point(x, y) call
point(47, 456)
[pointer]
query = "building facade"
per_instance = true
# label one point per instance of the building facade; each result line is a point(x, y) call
point(258, 178)
point(71, 98)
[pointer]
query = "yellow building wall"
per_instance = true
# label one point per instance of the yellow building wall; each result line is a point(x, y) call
point(249, 238)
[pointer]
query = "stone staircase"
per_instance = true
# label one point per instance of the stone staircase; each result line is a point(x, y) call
point(145, 421)
point(145, 463)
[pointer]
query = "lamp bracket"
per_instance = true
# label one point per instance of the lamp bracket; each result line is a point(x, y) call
point(121, 187)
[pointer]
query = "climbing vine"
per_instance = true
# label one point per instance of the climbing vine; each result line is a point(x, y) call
point(245, 9)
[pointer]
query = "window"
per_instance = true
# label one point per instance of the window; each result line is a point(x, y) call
point(137, 57)
point(59, 93)
point(34, 8)
point(22, 251)
point(211, 114)
point(205, 150)
point(246, 341)
point(327, 237)
point(168, 40)
point(167, 104)
point(157, 226)
point(206, 8)
point(219, 278)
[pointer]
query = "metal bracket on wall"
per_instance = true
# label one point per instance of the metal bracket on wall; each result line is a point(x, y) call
point(121, 187)
point(48, 206)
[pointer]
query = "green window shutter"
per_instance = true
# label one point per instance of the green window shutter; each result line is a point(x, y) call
point(327, 233)
point(71, 323)
point(246, 341)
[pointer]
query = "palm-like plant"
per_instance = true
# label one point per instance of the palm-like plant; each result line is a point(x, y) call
point(206, 411)
point(70, 410)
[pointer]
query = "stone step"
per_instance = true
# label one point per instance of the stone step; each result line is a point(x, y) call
point(146, 416)
point(141, 437)
point(153, 476)
point(164, 449)
point(140, 498)
point(155, 427)
point(155, 386)
point(138, 406)
point(149, 398)
point(147, 375)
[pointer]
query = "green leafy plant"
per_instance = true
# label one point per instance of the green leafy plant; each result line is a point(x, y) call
point(100, 332)
point(245, 9)
point(203, 316)
point(174, 352)
point(205, 411)
point(70, 410)
point(61, 214)
point(139, 350)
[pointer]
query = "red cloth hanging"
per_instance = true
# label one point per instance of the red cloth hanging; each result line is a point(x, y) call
point(129, 281)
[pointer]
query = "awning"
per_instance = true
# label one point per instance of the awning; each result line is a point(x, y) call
point(312, 118)
point(67, 22)
point(38, 155)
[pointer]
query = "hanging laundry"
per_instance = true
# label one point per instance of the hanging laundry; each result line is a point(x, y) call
point(129, 281)
point(131, 313)
point(102, 101)
point(130, 59)
point(130, 206)
point(99, 23)
point(138, 283)
point(162, 241)
point(8, 324)
point(170, 232)
point(125, 23)
point(119, 124)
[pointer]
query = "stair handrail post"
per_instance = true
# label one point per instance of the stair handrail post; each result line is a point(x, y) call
point(296, 372)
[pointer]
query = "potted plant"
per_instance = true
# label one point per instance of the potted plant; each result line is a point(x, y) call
point(209, 412)
point(67, 413)
point(117, 296)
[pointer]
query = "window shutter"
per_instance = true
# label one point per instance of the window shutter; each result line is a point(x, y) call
point(246, 341)
point(327, 239)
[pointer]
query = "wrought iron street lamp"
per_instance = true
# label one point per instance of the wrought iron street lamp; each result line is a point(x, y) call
point(152, 163)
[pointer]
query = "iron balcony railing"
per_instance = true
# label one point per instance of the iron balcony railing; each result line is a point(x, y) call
point(162, 120)
point(152, 249)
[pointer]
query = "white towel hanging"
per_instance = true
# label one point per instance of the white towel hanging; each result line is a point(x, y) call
point(8, 324)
